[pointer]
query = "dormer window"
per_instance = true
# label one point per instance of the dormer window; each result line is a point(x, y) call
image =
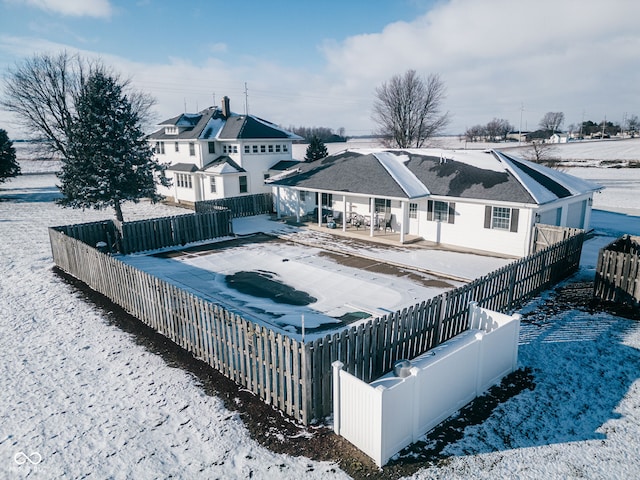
point(171, 130)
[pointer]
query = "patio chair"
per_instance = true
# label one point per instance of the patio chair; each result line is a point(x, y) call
point(337, 217)
point(386, 221)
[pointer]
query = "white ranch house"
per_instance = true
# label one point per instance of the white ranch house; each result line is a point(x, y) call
point(219, 154)
point(480, 200)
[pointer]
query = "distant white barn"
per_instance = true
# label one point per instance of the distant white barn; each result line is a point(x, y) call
point(471, 199)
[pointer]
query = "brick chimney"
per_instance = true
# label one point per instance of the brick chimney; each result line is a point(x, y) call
point(226, 111)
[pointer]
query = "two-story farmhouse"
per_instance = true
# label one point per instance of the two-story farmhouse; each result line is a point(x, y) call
point(218, 154)
point(483, 200)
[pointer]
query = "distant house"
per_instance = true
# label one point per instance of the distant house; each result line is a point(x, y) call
point(559, 138)
point(216, 153)
point(487, 201)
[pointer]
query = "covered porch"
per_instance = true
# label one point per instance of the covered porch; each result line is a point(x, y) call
point(353, 215)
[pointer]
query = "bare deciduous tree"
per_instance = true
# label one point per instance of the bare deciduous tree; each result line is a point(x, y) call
point(498, 129)
point(552, 121)
point(543, 153)
point(42, 92)
point(407, 109)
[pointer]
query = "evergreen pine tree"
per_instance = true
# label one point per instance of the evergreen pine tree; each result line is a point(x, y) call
point(108, 160)
point(9, 167)
point(316, 150)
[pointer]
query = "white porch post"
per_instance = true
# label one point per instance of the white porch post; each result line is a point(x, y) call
point(297, 206)
point(278, 215)
point(344, 213)
point(372, 208)
point(403, 215)
point(319, 209)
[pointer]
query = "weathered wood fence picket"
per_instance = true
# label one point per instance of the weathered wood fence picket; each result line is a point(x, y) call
point(618, 272)
point(244, 206)
point(293, 376)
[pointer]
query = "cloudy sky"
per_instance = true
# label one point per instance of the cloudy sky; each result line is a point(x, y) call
point(318, 63)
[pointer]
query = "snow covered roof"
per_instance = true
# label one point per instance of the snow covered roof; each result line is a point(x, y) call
point(211, 123)
point(415, 173)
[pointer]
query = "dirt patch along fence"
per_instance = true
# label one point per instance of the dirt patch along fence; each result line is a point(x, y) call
point(618, 272)
point(292, 376)
point(244, 206)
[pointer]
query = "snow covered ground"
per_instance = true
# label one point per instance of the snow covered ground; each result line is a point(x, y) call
point(339, 289)
point(91, 402)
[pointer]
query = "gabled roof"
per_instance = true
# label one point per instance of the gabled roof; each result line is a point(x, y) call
point(212, 124)
point(416, 173)
point(222, 165)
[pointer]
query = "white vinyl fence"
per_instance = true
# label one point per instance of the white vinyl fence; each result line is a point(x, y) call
point(383, 417)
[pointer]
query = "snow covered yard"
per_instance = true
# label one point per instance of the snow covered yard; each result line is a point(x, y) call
point(92, 402)
point(82, 393)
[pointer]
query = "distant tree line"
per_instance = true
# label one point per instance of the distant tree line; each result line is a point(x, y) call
point(496, 130)
point(324, 134)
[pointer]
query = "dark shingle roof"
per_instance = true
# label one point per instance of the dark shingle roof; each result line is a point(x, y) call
point(457, 179)
point(491, 176)
point(350, 172)
point(211, 123)
point(221, 161)
point(284, 165)
point(183, 167)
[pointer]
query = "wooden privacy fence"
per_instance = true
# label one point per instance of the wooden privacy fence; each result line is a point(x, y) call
point(618, 272)
point(153, 233)
point(546, 235)
point(292, 376)
point(271, 365)
point(370, 350)
point(244, 206)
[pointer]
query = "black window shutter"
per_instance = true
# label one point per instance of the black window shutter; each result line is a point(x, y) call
point(430, 210)
point(514, 219)
point(452, 212)
point(487, 216)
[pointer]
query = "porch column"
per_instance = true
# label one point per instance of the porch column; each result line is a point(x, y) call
point(372, 209)
point(297, 206)
point(278, 215)
point(319, 209)
point(344, 213)
point(403, 216)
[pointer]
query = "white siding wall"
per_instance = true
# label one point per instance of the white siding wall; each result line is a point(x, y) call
point(258, 164)
point(468, 230)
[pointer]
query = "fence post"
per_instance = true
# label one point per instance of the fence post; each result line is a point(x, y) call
point(512, 286)
point(441, 317)
point(337, 366)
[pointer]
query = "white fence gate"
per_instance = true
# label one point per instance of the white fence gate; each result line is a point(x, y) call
point(383, 417)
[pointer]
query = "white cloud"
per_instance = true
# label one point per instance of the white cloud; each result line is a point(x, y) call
point(219, 47)
point(494, 57)
point(496, 54)
point(74, 8)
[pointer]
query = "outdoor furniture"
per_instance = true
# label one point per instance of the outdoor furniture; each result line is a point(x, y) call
point(325, 214)
point(356, 220)
point(388, 218)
